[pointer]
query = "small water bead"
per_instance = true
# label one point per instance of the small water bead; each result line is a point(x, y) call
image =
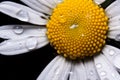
point(117, 37)
point(18, 29)
point(99, 65)
point(23, 15)
point(20, 46)
point(111, 52)
point(73, 26)
point(91, 73)
point(103, 73)
point(31, 43)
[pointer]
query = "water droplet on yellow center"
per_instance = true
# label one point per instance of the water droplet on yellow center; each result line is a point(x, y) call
point(77, 28)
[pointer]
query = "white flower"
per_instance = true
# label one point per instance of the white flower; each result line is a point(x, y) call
point(24, 38)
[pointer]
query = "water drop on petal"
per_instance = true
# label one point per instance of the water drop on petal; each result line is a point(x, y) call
point(23, 15)
point(118, 37)
point(103, 73)
point(31, 43)
point(91, 73)
point(98, 65)
point(111, 52)
point(18, 29)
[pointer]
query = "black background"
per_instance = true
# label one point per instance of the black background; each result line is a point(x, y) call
point(25, 66)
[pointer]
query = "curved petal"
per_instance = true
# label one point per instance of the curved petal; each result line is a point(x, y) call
point(113, 55)
point(50, 3)
point(113, 13)
point(23, 13)
point(57, 69)
point(21, 40)
point(21, 31)
point(114, 35)
point(91, 70)
point(114, 28)
point(113, 9)
point(14, 47)
point(105, 69)
point(99, 1)
point(37, 6)
point(78, 71)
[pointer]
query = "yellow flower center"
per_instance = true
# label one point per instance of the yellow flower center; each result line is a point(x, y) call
point(77, 28)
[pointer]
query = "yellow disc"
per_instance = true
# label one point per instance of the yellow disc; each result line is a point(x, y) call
point(77, 28)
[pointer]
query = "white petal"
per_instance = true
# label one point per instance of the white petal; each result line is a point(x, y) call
point(91, 70)
point(113, 22)
point(114, 35)
point(21, 31)
point(14, 47)
point(37, 6)
point(78, 71)
point(99, 1)
point(57, 69)
point(22, 13)
point(105, 69)
point(114, 28)
point(49, 3)
point(113, 55)
point(21, 39)
point(113, 9)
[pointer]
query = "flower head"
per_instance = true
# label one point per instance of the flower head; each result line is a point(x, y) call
point(79, 21)
point(77, 29)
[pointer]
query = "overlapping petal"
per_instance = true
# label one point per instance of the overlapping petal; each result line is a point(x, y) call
point(78, 71)
point(113, 55)
point(91, 69)
point(23, 13)
point(105, 69)
point(113, 13)
point(57, 69)
point(21, 39)
point(34, 4)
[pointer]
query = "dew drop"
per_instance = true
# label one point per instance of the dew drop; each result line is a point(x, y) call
point(91, 73)
point(23, 15)
point(18, 29)
point(73, 26)
point(19, 46)
point(118, 37)
point(103, 73)
point(111, 52)
point(71, 73)
point(31, 43)
point(98, 65)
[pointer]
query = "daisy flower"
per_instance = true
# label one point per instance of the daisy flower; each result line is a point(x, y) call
point(77, 29)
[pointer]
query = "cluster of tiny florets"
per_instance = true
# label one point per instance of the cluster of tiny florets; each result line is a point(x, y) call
point(77, 28)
